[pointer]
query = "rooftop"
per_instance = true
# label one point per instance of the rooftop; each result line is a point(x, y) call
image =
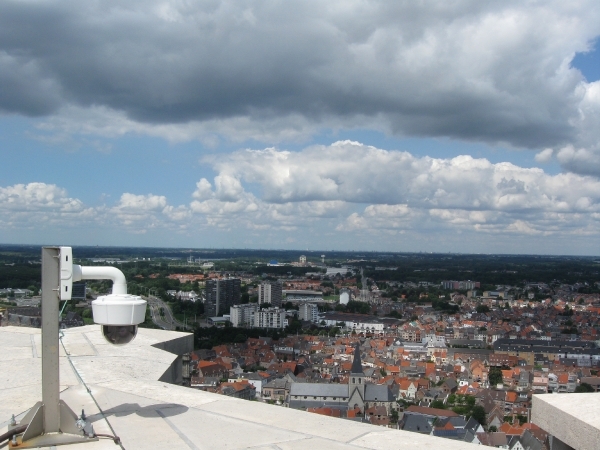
point(146, 412)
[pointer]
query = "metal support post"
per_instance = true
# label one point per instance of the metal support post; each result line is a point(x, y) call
point(50, 422)
point(50, 369)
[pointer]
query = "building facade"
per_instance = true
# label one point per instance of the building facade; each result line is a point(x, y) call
point(309, 312)
point(270, 318)
point(243, 315)
point(460, 285)
point(357, 394)
point(270, 292)
point(221, 295)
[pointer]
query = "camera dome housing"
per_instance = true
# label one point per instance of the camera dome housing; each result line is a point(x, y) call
point(119, 334)
point(119, 315)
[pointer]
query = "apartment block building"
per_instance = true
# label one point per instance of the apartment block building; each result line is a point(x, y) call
point(270, 318)
point(462, 285)
point(309, 312)
point(270, 292)
point(221, 295)
point(243, 315)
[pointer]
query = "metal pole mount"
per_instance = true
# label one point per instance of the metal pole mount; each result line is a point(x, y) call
point(51, 421)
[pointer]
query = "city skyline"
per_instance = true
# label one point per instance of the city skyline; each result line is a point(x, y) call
point(469, 128)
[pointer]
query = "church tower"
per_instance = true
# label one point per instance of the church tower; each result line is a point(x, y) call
point(356, 383)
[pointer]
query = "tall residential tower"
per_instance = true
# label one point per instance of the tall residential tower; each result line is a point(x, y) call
point(270, 292)
point(221, 295)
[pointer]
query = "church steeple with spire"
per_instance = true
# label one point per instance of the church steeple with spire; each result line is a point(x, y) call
point(357, 363)
point(356, 383)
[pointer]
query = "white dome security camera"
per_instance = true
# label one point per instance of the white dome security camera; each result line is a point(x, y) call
point(119, 315)
point(52, 422)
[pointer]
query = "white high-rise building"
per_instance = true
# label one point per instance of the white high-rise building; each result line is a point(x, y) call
point(243, 315)
point(309, 312)
point(270, 318)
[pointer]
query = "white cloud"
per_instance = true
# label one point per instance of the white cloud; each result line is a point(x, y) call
point(141, 203)
point(346, 192)
point(37, 197)
point(544, 156)
point(351, 172)
point(403, 192)
point(41, 205)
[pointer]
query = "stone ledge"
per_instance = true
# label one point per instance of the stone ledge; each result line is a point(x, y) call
point(147, 413)
point(574, 419)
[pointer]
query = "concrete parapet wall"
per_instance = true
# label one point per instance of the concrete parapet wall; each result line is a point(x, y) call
point(574, 419)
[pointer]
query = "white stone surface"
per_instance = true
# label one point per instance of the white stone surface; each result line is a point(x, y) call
point(572, 418)
point(148, 414)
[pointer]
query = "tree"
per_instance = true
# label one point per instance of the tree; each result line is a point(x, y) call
point(522, 419)
point(495, 376)
point(584, 387)
point(239, 338)
point(437, 404)
point(334, 331)
point(478, 413)
point(482, 309)
point(492, 429)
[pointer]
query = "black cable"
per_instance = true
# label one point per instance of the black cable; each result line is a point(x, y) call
point(10, 433)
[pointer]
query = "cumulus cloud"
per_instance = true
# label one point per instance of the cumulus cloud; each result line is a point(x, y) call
point(276, 71)
point(344, 189)
point(352, 172)
point(37, 197)
point(142, 212)
point(401, 191)
point(544, 156)
point(40, 205)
